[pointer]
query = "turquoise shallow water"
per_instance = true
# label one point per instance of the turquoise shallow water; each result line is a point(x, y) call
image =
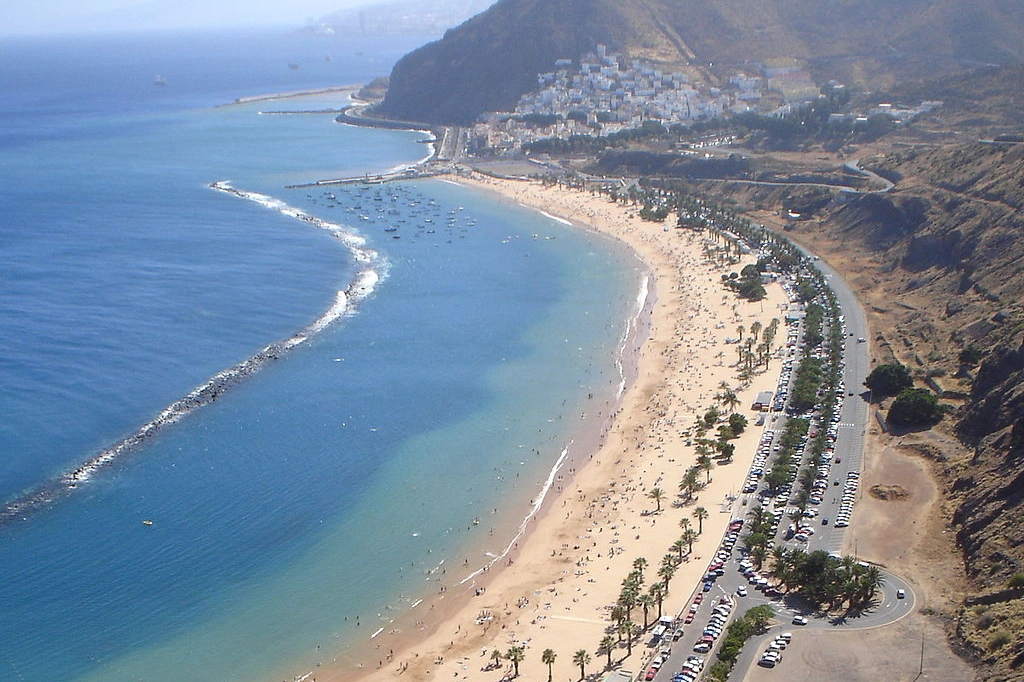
point(333, 482)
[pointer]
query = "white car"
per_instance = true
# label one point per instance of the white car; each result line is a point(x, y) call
point(741, 591)
point(799, 620)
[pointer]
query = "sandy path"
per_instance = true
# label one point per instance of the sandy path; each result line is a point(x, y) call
point(567, 572)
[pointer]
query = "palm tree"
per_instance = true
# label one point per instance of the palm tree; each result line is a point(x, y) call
point(618, 617)
point(657, 494)
point(759, 516)
point(516, 655)
point(665, 573)
point(700, 513)
point(677, 547)
point(755, 329)
point(548, 657)
point(607, 646)
point(871, 581)
point(629, 629)
point(581, 658)
point(639, 564)
point(705, 463)
point(628, 596)
point(690, 483)
point(496, 658)
point(646, 601)
point(657, 590)
point(689, 536)
point(758, 554)
point(739, 330)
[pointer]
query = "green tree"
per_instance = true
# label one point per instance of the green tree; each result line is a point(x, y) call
point(630, 629)
point(690, 483)
point(646, 601)
point(728, 398)
point(705, 464)
point(639, 564)
point(619, 618)
point(915, 407)
point(548, 658)
point(700, 513)
point(666, 572)
point(657, 591)
point(760, 616)
point(581, 658)
point(970, 356)
point(515, 655)
point(889, 379)
point(607, 646)
point(657, 494)
point(496, 657)
point(689, 536)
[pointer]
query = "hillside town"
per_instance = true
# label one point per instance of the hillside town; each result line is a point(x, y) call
point(606, 92)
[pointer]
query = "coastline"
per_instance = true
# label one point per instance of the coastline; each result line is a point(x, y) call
point(564, 571)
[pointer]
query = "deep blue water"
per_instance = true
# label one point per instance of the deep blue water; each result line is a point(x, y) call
point(324, 486)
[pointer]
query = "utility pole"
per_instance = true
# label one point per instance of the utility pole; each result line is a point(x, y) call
point(920, 670)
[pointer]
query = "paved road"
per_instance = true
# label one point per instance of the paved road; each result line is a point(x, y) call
point(887, 609)
point(849, 446)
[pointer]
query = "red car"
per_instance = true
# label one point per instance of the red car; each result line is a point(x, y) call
point(688, 619)
point(650, 674)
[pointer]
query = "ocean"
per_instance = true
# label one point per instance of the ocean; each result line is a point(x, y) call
point(354, 394)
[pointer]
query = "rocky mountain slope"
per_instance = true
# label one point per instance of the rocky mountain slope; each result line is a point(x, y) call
point(488, 62)
point(939, 262)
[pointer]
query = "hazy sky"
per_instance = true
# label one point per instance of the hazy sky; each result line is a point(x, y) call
point(49, 16)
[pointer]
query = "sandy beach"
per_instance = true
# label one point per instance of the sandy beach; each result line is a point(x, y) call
point(565, 574)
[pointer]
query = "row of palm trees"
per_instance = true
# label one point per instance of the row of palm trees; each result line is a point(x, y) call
point(516, 655)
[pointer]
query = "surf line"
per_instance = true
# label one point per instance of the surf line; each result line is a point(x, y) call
point(372, 268)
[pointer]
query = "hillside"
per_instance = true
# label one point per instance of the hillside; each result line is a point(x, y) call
point(489, 61)
point(939, 263)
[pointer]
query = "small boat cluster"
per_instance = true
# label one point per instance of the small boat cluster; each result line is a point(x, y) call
point(397, 210)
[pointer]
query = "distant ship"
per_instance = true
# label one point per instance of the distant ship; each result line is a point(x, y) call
point(293, 66)
point(159, 80)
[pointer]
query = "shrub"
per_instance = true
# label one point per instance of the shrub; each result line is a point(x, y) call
point(915, 407)
point(889, 379)
point(999, 639)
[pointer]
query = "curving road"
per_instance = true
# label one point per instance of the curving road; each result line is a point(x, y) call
point(849, 451)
